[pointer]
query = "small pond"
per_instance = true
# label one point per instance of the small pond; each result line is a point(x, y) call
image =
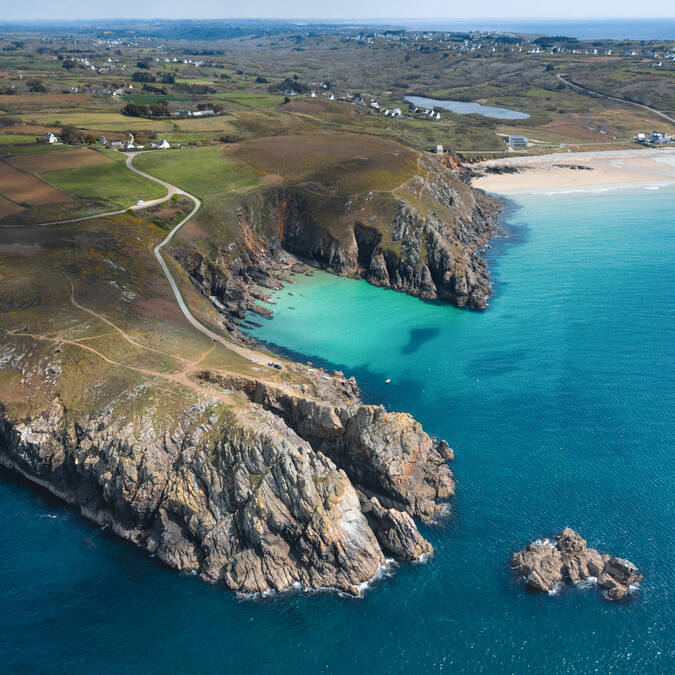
point(466, 108)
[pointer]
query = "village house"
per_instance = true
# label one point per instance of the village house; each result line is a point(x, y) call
point(162, 145)
point(50, 138)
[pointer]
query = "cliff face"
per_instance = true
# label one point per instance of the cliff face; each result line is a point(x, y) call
point(432, 253)
point(279, 489)
point(425, 240)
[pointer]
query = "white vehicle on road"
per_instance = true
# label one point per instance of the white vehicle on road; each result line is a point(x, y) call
point(139, 202)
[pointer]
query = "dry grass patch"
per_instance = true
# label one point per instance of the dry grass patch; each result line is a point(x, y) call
point(345, 162)
point(23, 188)
point(66, 159)
point(7, 207)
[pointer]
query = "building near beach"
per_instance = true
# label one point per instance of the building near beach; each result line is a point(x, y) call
point(516, 141)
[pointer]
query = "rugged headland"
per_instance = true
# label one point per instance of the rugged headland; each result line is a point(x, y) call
point(255, 477)
point(377, 212)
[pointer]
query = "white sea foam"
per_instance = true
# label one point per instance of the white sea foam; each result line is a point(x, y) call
point(384, 570)
point(556, 589)
point(589, 582)
point(424, 558)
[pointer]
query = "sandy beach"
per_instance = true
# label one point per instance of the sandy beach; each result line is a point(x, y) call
point(578, 171)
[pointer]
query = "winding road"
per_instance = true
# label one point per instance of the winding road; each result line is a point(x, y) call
point(614, 98)
point(171, 190)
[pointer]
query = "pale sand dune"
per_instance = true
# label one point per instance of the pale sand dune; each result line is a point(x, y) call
point(544, 173)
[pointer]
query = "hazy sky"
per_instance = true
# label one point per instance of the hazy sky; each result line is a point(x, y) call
point(341, 9)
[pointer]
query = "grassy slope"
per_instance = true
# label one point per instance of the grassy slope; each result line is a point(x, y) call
point(109, 182)
point(201, 171)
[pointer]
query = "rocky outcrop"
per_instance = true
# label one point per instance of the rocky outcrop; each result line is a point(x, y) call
point(432, 254)
point(386, 455)
point(278, 490)
point(545, 564)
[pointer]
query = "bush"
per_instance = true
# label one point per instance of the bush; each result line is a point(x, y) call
point(140, 76)
point(9, 121)
point(288, 83)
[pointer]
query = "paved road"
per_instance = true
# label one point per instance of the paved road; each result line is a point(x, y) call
point(171, 190)
point(243, 351)
point(615, 98)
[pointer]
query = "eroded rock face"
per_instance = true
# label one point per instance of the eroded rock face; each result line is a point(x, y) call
point(264, 499)
point(435, 254)
point(544, 564)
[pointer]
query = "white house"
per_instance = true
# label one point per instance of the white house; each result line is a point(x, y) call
point(439, 149)
point(50, 138)
point(129, 145)
point(313, 94)
point(162, 145)
point(516, 141)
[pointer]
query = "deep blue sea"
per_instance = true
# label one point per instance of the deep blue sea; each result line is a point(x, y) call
point(558, 401)
point(583, 29)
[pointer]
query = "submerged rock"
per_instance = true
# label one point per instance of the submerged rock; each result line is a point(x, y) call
point(544, 564)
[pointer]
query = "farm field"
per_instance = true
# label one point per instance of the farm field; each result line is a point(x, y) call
point(22, 188)
point(97, 121)
point(7, 207)
point(69, 158)
point(16, 139)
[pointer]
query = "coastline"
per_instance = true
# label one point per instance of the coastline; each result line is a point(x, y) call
point(580, 171)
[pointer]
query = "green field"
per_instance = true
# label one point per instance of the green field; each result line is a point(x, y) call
point(110, 182)
point(152, 99)
point(251, 100)
point(98, 121)
point(201, 171)
point(16, 139)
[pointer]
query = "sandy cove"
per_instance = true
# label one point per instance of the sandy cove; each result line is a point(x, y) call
point(578, 171)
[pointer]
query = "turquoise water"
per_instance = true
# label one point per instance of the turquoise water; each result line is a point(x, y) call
point(558, 402)
point(466, 108)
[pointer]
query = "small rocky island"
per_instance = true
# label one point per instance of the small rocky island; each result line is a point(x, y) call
point(545, 564)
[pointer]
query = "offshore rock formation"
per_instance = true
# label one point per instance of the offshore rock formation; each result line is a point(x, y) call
point(545, 565)
point(281, 490)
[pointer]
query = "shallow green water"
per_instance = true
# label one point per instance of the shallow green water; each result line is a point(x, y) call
point(558, 402)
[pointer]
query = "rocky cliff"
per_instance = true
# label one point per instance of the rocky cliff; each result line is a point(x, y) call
point(278, 489)
point(426, 239)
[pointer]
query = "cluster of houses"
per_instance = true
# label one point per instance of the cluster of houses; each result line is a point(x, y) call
point(427, 112)
point(130, 144)
point(49, 138)
point(654, 138)
point(194, 113)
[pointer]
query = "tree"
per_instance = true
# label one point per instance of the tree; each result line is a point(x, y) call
point(72, 136)
point(36, 86)
point(68, 64)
